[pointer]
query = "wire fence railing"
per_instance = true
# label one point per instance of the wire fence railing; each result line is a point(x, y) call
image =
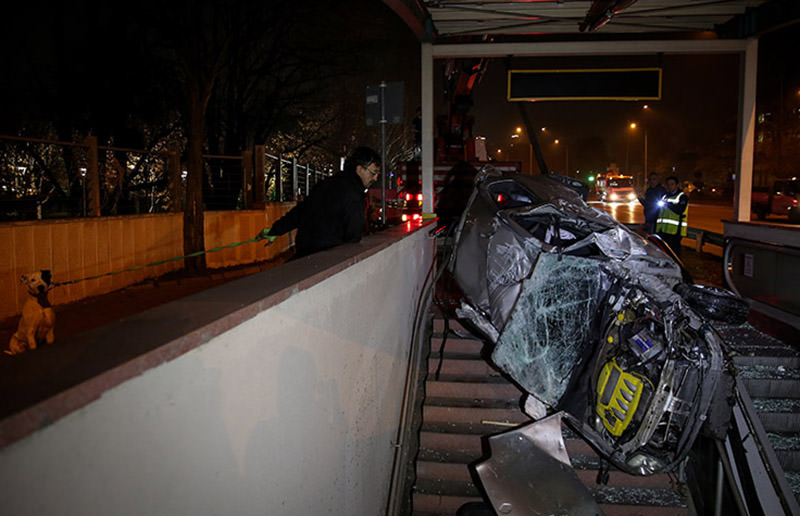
point(44, 178)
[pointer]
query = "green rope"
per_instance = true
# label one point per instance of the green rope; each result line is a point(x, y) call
point(168, 260)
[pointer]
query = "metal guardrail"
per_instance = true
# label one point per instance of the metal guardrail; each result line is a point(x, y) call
point(702, 236)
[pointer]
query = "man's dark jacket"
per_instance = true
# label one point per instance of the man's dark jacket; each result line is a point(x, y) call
point(650, 202)
point(333, 214)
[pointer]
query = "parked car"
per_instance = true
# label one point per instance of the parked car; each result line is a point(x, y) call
point(591, 320)
point(781, 199)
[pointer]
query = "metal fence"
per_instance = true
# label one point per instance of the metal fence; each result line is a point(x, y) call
point(42, 178)
point(288, 180)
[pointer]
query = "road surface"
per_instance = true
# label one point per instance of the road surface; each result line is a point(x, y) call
point(708, 217)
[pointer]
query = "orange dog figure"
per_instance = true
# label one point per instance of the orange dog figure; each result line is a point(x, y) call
point(38, 320)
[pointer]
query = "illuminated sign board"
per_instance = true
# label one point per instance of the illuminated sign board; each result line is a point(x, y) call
point(587, 84)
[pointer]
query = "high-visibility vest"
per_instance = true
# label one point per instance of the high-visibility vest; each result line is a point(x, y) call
point(668, 221)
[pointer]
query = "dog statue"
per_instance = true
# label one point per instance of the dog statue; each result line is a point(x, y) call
point(38, 321)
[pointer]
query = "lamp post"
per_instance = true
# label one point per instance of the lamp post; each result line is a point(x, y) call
point(516, 137)
point(566, 155)
point(644, 172)
point(645, 109)
point(632, 127)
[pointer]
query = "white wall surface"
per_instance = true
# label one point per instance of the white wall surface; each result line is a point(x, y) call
point(292, 412)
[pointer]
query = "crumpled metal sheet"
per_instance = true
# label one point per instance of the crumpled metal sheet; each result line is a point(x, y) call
point(508, 263)
point(529, 473)
point(547, 332)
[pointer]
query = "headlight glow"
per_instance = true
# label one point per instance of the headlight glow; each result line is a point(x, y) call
point(613, 197)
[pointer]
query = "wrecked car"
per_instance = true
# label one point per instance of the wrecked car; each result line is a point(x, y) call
point(592, 320)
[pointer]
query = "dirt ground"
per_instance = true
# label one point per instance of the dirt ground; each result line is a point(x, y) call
point(97, 311)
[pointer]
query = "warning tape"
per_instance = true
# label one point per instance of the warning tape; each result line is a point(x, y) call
point(162, 262)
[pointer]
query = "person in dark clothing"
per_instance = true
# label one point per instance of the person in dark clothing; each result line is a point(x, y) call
point(672, 222)
point(334, 212)
point(655, 191)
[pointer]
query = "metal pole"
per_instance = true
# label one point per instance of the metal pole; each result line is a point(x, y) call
point(259, 181)
point(718, 491)
point(295, 188)
point(93, 176)
point(426, 93)
point(383, 153)
point(627, 152)
point(279, 179)
point(537, 150)
point(745, 140)
point(645, 158)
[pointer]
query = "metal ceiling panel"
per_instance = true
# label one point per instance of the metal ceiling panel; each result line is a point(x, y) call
point(485, 17)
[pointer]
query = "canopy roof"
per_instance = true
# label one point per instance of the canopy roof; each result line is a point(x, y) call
point(471, 17)
point(444, 21)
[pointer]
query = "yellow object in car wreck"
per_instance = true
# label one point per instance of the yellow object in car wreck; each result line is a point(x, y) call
point(618, 395)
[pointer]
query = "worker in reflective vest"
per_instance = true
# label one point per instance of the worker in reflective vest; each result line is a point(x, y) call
point(672, 218)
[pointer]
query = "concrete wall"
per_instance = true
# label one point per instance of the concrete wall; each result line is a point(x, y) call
point(292, 411)
point(78, 248)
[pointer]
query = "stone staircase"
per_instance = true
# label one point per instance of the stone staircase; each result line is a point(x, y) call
point(471, 399)
point(770, 372)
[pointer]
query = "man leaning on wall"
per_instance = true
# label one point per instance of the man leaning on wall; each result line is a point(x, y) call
point(334, 212)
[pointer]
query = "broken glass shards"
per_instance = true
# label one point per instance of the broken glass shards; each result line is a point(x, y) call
point(549, 328)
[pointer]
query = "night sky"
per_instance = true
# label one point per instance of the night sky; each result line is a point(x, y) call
point(698, 108)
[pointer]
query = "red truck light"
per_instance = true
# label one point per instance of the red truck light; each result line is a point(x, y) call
point(419, 197)
point(408, 197)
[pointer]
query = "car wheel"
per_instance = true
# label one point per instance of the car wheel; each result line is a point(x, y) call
point(715, 303)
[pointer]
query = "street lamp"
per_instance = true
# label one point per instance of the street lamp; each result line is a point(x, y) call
point(566, 155)
point(517, 135)
point(633, 126)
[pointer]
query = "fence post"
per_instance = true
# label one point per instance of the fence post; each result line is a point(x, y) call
point(295, 184)
point(308, 179)
point(93, 177)
point(698, 241)
point(279, 179)
point(259, 194)
point(175, 180)
point(247, 179)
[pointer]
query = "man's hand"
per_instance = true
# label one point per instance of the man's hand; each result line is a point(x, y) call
point(264, 235)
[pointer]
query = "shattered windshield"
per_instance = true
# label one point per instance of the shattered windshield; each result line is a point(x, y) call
point(549, 327)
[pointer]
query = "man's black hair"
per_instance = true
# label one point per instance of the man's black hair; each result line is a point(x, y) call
point(363, 156)
point(674, 178)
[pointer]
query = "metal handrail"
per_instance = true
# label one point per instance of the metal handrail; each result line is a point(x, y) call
point(750, 465)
